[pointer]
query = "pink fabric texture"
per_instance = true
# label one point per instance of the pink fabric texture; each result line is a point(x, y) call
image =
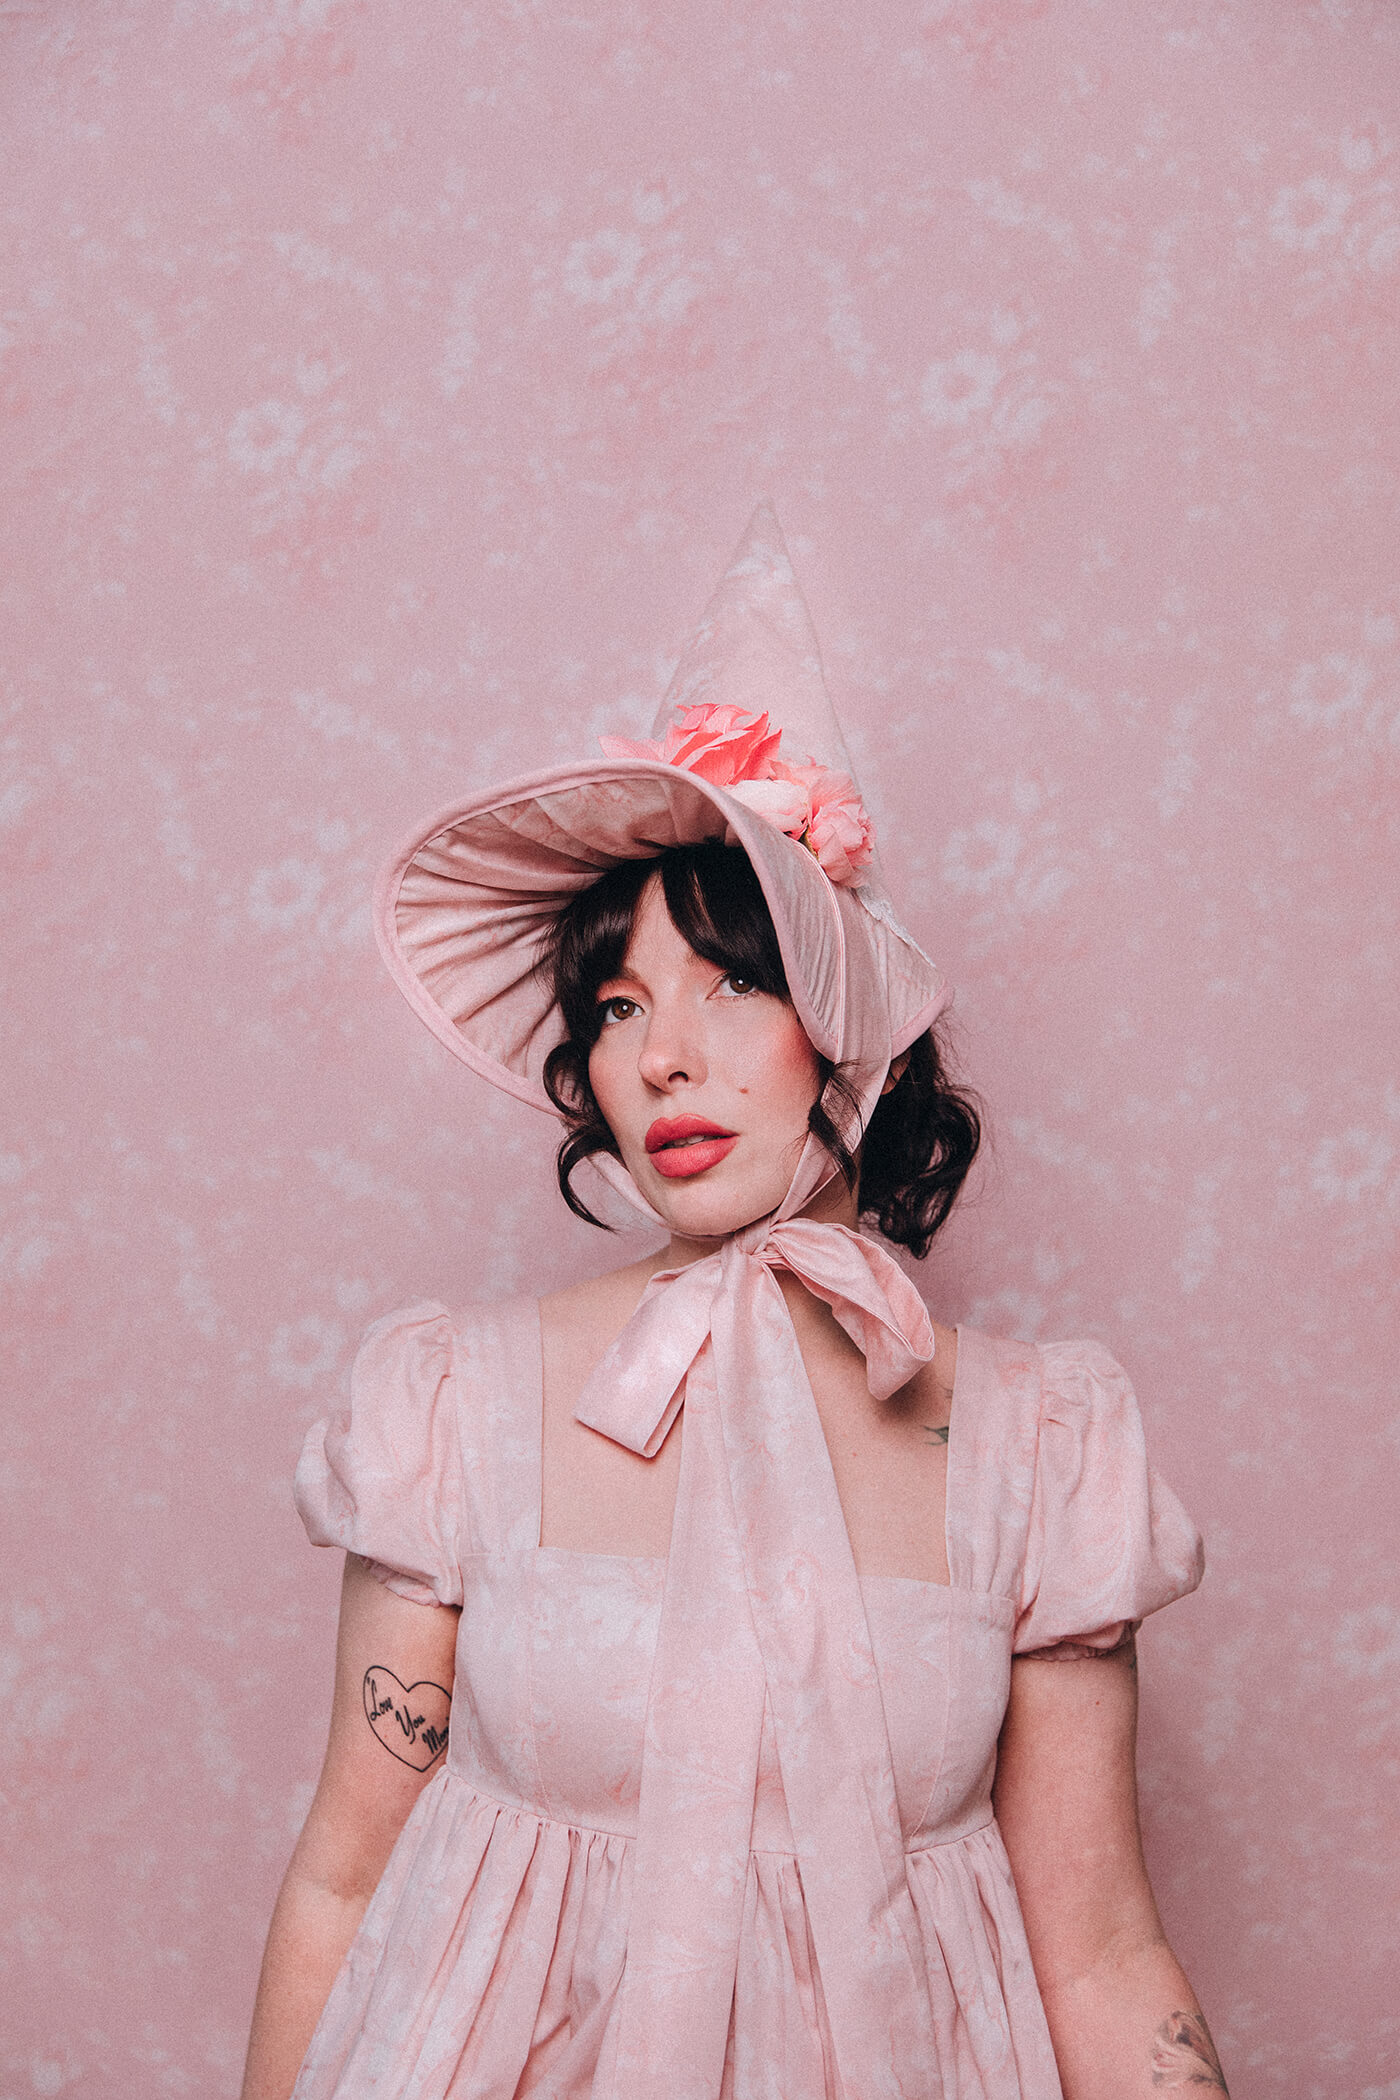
point(535, 1917)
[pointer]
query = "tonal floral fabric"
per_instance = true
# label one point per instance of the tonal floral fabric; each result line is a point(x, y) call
point(490, 1962)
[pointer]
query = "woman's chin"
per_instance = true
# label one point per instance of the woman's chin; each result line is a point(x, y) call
point(695, 1210)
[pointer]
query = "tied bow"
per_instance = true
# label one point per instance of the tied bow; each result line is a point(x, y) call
point(762, 1597)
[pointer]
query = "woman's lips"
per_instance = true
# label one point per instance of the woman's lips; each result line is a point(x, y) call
point(681, 1146)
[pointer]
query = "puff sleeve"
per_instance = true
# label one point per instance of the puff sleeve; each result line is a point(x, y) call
point(1108, 1542)
point(383, 1477)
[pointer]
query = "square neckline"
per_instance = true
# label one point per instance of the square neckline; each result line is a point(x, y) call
point(654, 1560)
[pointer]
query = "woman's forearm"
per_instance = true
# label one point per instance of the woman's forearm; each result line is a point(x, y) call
point(312, 1927)
point(365, 1797)
point(1130, 2029)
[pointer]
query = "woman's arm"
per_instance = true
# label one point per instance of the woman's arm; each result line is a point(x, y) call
point(374, 1771)
point(1123, 2018)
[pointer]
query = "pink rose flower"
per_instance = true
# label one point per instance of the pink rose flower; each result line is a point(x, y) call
point(838, 831)
point(722, 744)
point(735, 750)
point(783, 803)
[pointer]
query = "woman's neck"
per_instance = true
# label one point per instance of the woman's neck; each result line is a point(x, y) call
point(833, 1205)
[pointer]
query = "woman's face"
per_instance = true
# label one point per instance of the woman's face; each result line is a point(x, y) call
point(705, 1082)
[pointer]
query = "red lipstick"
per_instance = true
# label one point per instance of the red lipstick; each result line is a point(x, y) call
point(680, 1146)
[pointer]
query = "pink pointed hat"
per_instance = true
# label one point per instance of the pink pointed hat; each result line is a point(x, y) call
point(464, 907)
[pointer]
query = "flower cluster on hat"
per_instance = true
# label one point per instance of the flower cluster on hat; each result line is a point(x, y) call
point(739, 752)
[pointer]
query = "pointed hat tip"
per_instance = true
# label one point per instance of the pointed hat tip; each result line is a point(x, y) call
point(755, 648)
point(763, 537)
point(765, 515)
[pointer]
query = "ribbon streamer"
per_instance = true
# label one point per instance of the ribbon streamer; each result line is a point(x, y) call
point(762, 1591)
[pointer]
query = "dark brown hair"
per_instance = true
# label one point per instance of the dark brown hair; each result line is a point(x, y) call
point(923, 1135)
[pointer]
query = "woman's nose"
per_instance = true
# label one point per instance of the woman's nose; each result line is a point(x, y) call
point(672, 1054)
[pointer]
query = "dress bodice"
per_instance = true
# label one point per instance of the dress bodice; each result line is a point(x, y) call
point(491, 1960)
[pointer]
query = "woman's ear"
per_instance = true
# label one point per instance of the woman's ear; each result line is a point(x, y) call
point(895, 1073)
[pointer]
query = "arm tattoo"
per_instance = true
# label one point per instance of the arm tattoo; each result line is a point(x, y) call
point(1183, 2054)
point(938, 1436)
point(409, 1720)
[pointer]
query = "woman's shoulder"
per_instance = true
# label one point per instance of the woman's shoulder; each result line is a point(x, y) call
point(1066, 1405)
point(580, 1322)
point(426, 1344)
point(1010, 1388)
point(984, 1359)
point(595, 1297)
point(1049, 1361)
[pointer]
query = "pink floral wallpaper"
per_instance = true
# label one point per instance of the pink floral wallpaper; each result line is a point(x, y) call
point(384, 389)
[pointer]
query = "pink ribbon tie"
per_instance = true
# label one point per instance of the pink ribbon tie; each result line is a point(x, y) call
point(762, 1593)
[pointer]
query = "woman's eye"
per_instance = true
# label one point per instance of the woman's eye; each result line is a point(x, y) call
point(738, 984)
point(618, 1010)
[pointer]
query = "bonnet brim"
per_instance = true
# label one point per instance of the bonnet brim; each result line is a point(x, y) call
point(464, 909)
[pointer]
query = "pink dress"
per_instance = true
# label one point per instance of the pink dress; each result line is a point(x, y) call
point(490, 1957)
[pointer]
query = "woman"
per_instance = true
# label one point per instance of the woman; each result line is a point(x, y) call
point(726, 1554)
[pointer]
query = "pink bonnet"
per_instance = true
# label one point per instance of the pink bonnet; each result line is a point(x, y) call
point(464, 906)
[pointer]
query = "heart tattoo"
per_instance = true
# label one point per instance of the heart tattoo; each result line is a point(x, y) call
point(410, 1721)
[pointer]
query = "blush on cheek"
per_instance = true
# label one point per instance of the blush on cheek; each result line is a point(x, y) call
point(793, 1061)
